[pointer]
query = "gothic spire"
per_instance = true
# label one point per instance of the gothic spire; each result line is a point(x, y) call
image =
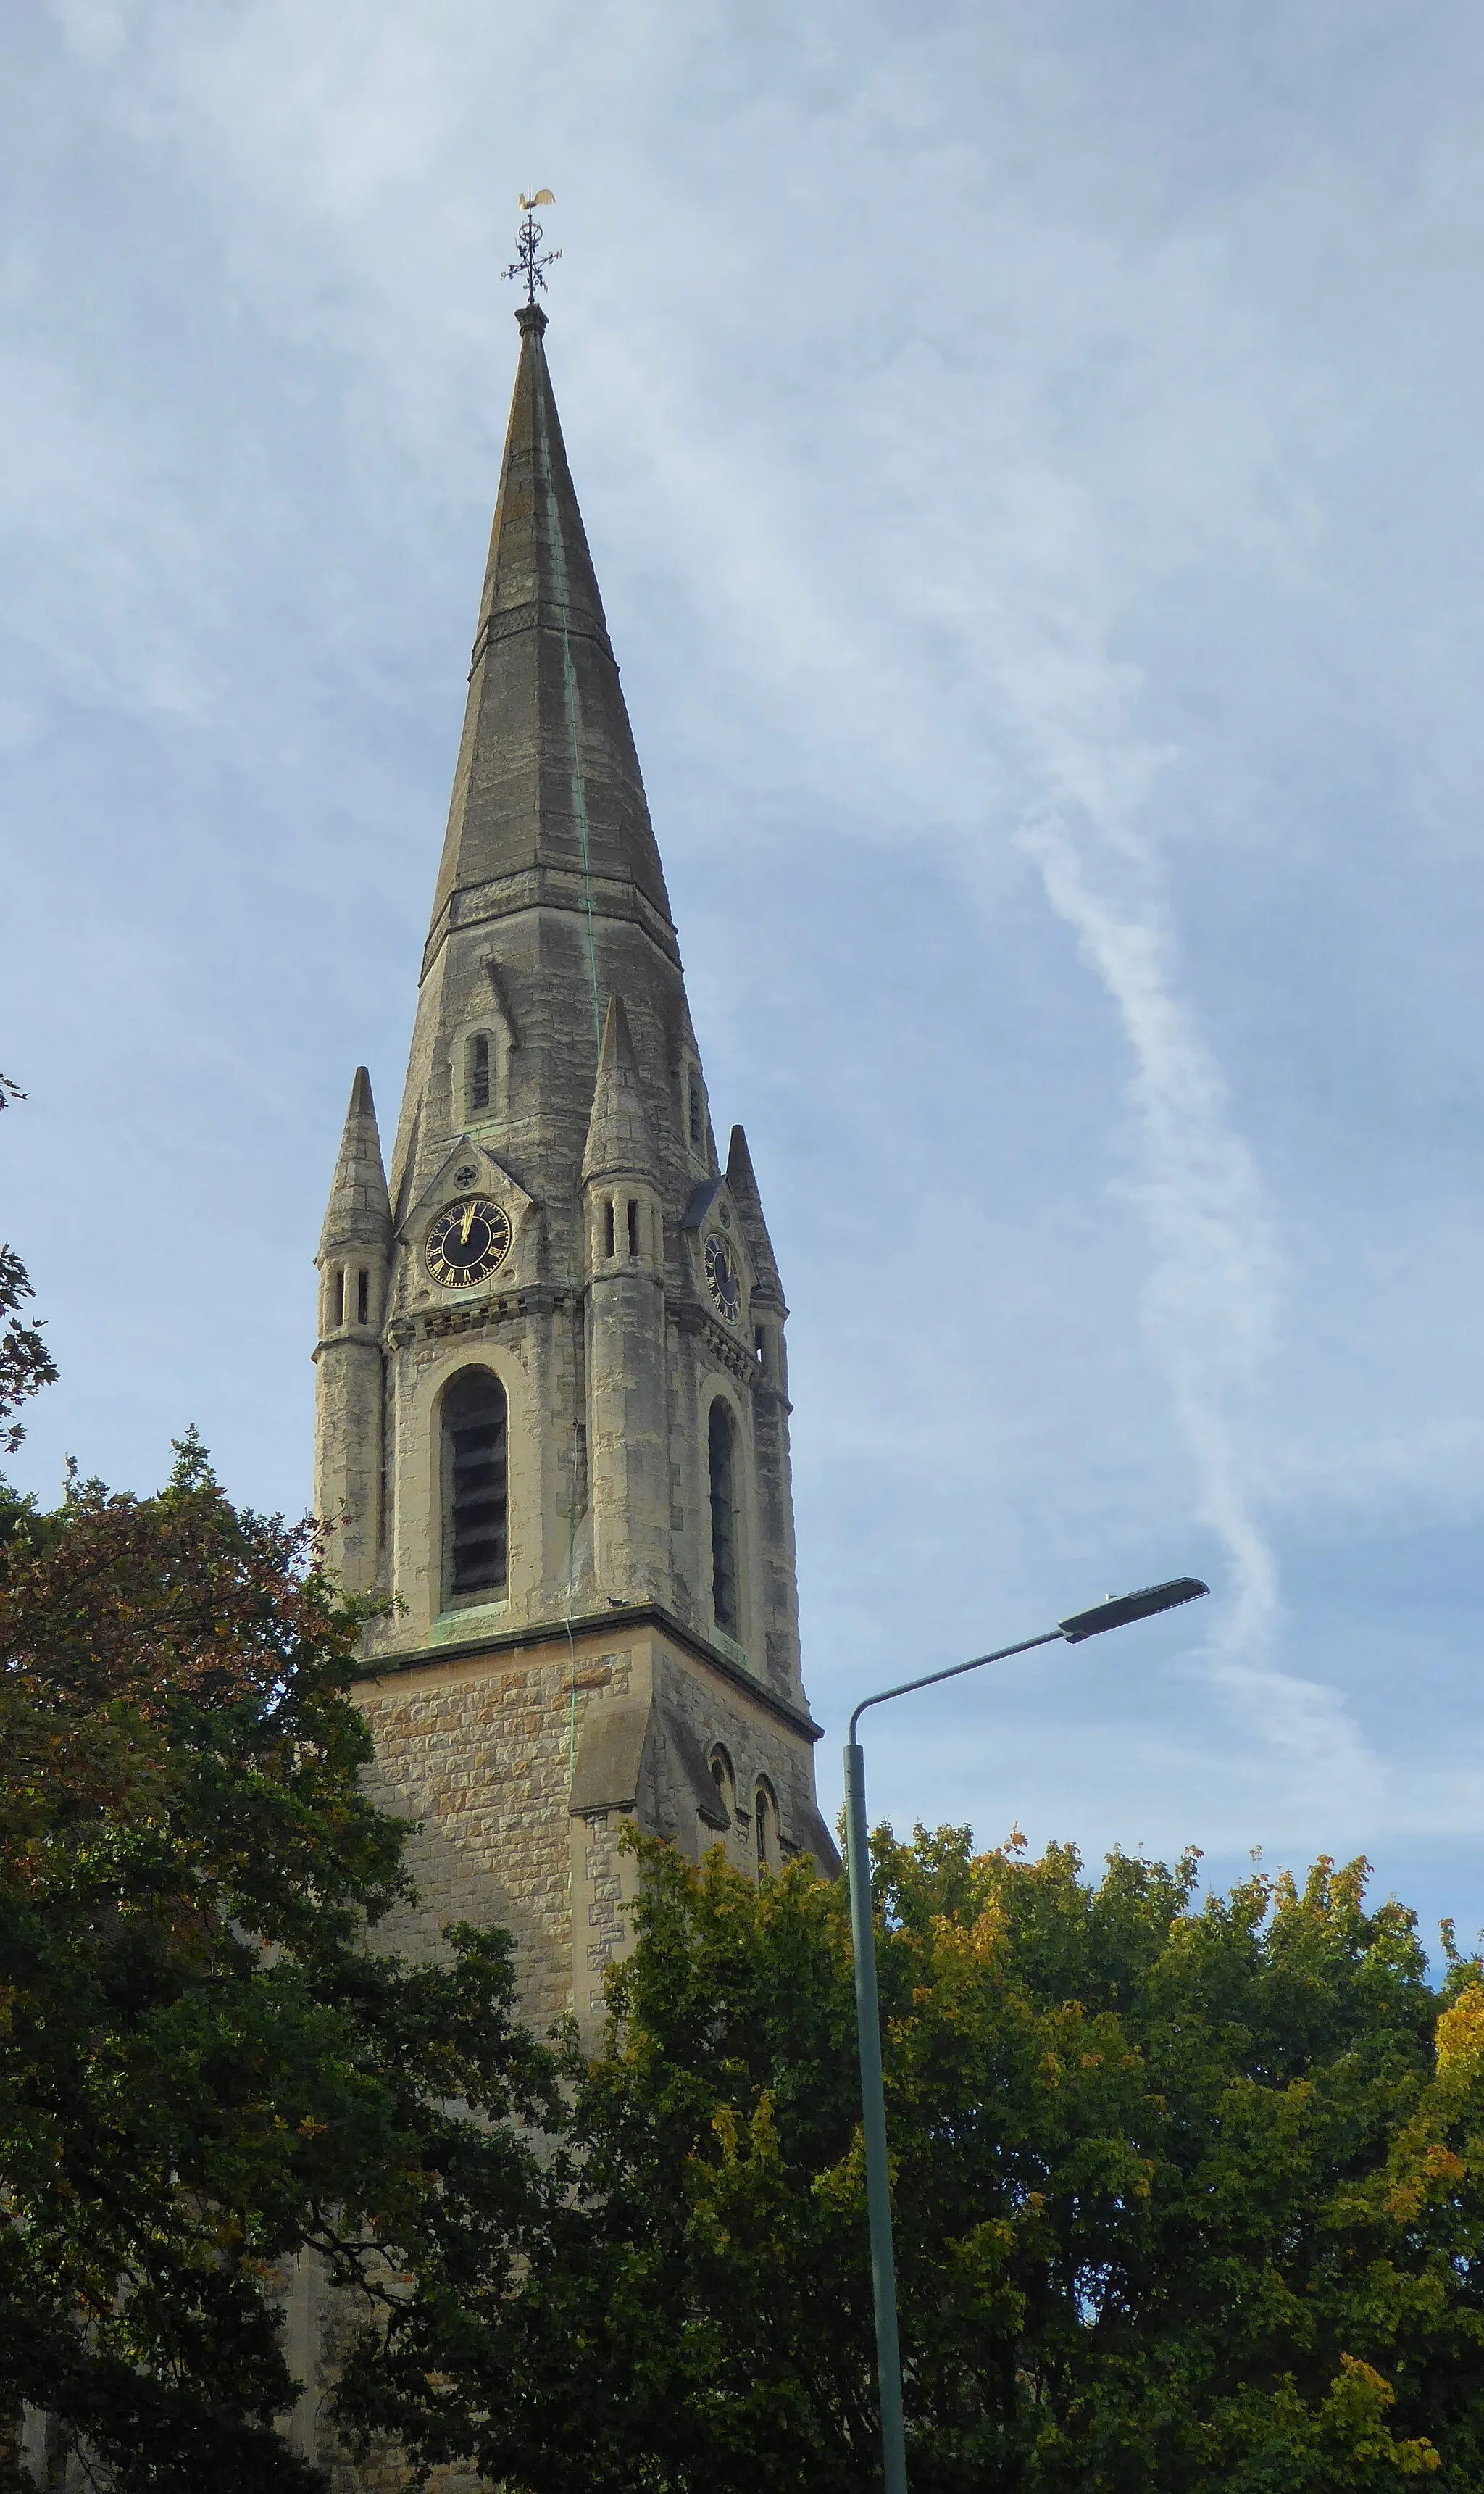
point(547, 801)
point(620, 1141)
point(359, 1213)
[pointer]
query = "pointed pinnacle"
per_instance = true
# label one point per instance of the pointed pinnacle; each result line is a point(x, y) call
point(359, 1212)
point(743, 1181)
point(620, 1141)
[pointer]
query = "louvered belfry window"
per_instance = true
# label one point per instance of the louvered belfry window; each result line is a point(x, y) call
point(723, 1517)
point(479, 1073)
point(475, 1485)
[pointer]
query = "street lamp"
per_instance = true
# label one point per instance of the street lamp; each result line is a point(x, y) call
point(1116, 1613)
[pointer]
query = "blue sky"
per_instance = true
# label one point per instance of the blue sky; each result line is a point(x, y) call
point(1032, 457)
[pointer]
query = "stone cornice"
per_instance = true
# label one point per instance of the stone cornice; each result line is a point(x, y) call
point(692, 1318)
point(504, 1307)
point(540, 615)
point(627, 1615)
point(549, 886)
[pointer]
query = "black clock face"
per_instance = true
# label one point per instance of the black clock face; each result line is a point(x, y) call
point(722, 1279)
point(467, 1243)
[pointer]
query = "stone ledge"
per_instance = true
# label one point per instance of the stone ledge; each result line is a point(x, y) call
point(617, 1615)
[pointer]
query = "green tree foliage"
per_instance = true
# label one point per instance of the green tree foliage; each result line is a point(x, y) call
point(203, 2068)
point(1188, 2196)
point(26, 1364)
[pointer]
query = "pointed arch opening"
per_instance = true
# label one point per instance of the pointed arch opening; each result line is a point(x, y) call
point(721, 1441)
point(475, 1485)
point(725, 1781)
point(765, 1826)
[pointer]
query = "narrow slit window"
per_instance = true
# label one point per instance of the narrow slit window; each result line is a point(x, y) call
point(724, 1455)
point(693, 1111)
point(363, 1297)
point(337, 1296)
point(475, 1485)
point(607, 1248)
point(633, 1229)
point(725, 1782)
point(765, 1823)
point(479, 1072)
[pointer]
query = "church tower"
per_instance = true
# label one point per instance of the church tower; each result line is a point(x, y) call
point(552, 1390)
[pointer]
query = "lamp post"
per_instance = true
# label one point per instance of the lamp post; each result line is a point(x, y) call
point(1116, 1612)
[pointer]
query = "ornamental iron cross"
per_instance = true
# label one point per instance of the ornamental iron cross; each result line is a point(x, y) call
point(531, 259)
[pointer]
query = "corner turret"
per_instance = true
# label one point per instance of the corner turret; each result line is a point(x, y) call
point(354, 1262)
point(629, 1447)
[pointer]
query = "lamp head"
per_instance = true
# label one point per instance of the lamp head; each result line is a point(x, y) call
point(1120, 1608)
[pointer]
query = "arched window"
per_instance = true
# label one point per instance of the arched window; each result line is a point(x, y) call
point(475, 1486)
point(478, 1071)
point(633, 1226)
point(724, 1455)
point(764, 1828)
point(724, 1781)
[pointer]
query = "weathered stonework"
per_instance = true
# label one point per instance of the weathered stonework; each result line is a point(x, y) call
point(639, 1661)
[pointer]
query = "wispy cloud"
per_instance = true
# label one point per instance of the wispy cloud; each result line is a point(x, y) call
point(1212, 1300)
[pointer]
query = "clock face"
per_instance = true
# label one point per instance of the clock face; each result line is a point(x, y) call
point(722, 1279)
point(467, 1243)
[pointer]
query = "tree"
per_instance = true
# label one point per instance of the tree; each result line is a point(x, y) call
point(1187, 2197)
point(203, 2067)
point(26, 1364)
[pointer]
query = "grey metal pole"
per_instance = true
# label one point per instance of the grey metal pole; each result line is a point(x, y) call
point(874, 2125)
point(1116, 1613)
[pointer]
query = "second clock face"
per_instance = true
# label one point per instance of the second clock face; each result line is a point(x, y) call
point(467, 1243)
point(722, 1279)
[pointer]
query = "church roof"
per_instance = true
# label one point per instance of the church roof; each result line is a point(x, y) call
point(620, 1141)
point(358, 1214)
point(547, 801)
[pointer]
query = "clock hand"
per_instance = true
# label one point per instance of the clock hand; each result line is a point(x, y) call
point(468, 1218)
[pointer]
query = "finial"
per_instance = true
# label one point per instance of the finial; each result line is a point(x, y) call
point(531, 259)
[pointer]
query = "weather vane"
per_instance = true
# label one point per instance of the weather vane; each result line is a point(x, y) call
point(532, 259)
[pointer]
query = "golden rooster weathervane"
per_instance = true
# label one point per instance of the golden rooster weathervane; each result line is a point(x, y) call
point(531, 259)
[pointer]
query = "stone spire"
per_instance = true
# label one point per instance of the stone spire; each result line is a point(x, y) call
point(359, 1212)
point(552, 1406)
point(620, 1141)
point(749, 1206)
point(547, 795)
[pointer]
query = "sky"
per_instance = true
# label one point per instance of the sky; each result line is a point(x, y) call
point(1032, 459)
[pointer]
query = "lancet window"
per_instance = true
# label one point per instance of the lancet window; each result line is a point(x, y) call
point(476, 1486)
point(481, 1074)
point(724, 1781)
point(764, 1828)
point(721, 1438)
